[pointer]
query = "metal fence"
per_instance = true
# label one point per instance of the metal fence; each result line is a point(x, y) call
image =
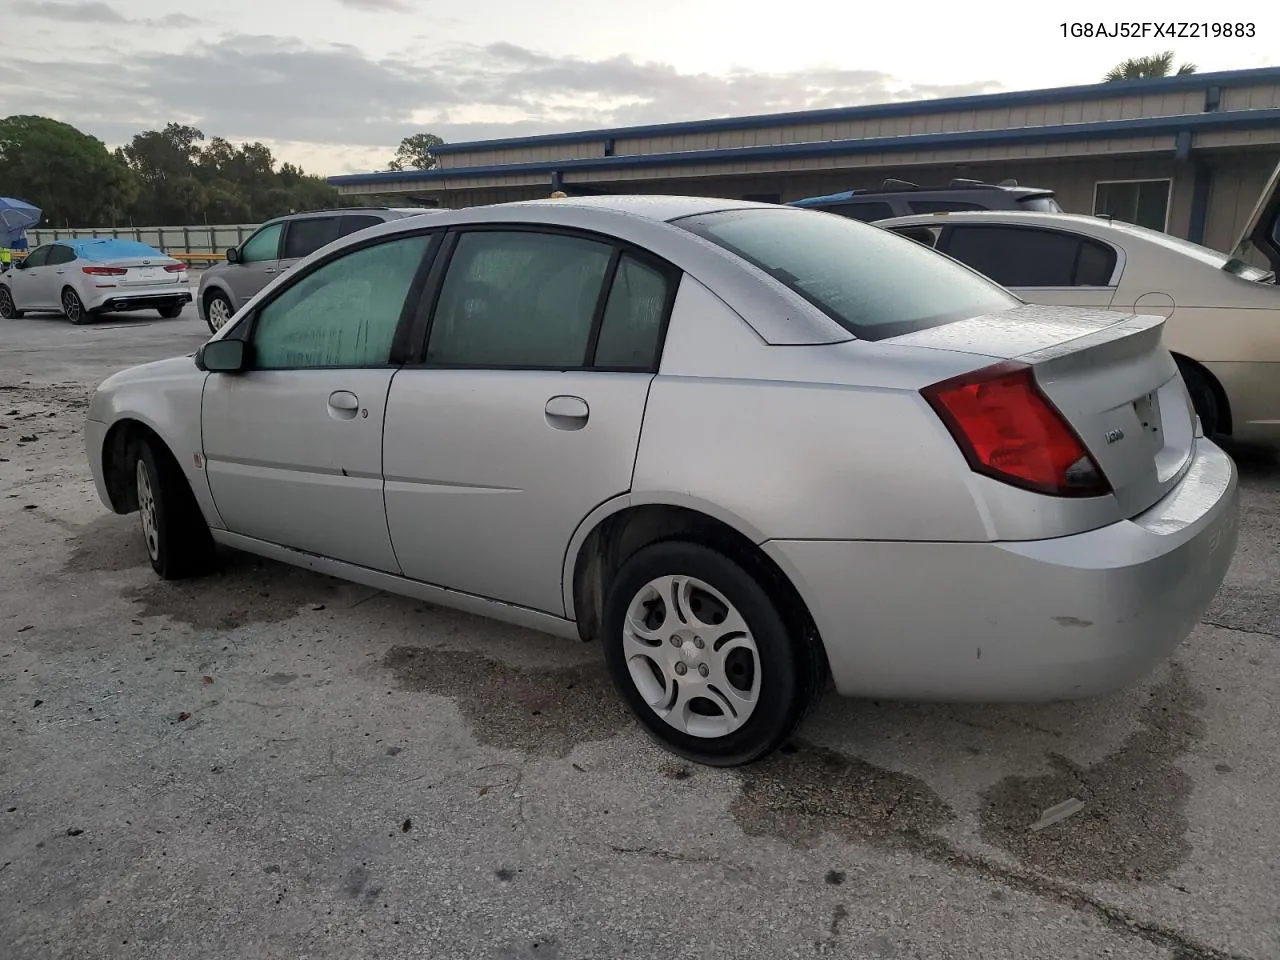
point(207, 239)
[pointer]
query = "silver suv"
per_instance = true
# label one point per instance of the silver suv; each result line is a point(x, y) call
point(900, 198)
point(275, 247)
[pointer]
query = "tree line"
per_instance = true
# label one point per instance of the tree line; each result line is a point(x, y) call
point(174, 175)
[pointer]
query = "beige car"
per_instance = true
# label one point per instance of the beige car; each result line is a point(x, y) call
point(1222, 313)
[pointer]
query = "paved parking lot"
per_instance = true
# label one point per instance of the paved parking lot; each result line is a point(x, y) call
point(268, 763)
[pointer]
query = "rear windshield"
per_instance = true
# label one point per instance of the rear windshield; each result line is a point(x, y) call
point(872, 282)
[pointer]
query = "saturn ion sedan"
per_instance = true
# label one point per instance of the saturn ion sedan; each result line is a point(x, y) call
point(85, 278)
point(743, 446)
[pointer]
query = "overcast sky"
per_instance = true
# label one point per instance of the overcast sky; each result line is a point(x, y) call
point(335, 84)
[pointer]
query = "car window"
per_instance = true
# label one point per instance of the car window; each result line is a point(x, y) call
point(631, 328)
point(866, 212)
point(928, 236)
point(867, 279)
point(304, 237)
point(343, 314)
point(353, 223)
point(263, 245)
point(518, 299)
point(1031, 257)
point(942, 206)
point(59, 253)
point(38, 257)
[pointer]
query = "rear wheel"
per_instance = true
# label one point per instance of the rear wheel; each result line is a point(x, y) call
point(704, 657)
point(170, 313)
point(8, 311)
point(217, 311)
point(178, 541)
point(1203, 398)
point(73, 306)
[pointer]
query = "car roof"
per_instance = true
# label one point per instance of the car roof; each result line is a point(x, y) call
point(1075, 220)
point(892, 188)
point(656, 207)
point(104, 248)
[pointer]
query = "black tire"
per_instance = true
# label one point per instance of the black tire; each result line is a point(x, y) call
point(73, 307)
point(1203, 398)
point(8, 311)
point(178, 541)
point(789, 661)
point(210, 310)
point(170, 313)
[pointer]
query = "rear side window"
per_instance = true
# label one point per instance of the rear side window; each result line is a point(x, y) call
point(60, 254)
point(866, 212)
point(305, 237)
point(632, 325)
point(353, 223)
point(1029, 257)
point(518, 299)
point(942, 206)
point(871, 281)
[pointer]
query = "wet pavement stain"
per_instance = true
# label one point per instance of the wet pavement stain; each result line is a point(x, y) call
point(1133, 825)
point(799, 795)
point(243, 590)
point(110, 543)
point(545, 711)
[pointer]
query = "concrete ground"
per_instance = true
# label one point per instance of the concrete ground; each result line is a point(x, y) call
point(268, 763)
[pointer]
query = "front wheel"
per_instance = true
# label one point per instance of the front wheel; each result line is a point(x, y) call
point(217, 311)
point(178, 541)
point(73, 306)
point(704, 657)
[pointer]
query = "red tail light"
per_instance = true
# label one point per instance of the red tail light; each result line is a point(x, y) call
point(174, 267)
point(104, 271)
point(1010, 431)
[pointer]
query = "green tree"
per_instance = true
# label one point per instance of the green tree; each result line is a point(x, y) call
point(165, 161)
point(414, 152)
point(1143, 68)
point(68, 174)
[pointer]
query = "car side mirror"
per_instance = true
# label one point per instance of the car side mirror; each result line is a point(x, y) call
point(221, 356)
point(233, 255)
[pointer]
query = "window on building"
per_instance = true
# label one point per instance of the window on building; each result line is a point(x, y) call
point(1144, 202)
point(1030, 257)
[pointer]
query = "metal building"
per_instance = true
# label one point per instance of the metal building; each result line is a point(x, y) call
point(1191, 153)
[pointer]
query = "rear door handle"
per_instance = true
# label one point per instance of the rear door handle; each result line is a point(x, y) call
point(567, 413)
point(343, 405)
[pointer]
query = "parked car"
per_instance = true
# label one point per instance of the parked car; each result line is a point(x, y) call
point(897, 198)
point(1222, 314)
point(88, 277)
point(739, 443)
point(275, 247)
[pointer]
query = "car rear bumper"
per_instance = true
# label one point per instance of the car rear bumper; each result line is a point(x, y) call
point(1029, 621)
point(139, 300)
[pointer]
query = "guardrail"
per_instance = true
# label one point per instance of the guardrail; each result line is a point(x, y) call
point(190, 257)
point(205, 238)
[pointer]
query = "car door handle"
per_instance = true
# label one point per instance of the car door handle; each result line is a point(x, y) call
point(567, 413)
point(343, 405)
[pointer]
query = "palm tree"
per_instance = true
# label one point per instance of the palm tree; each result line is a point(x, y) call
point(1142, 68)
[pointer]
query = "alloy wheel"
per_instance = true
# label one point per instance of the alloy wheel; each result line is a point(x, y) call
point(147, 510)
point(7, 310)
point(691, 656)
point(219, 313)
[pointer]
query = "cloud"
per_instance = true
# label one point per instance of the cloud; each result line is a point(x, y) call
point(175, 21)
point(75, 12)
point(347, 105)
point(379, 6)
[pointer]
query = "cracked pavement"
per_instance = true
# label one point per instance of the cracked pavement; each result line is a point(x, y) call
point(269, 763)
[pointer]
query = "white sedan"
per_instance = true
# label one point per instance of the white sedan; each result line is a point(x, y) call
point(1222, 314)
point(88, 277)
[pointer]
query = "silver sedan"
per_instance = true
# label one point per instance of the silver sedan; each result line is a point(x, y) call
point(743, 446)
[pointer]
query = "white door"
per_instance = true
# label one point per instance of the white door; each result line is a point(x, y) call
point(527, 413)
point(293, 445)
point(32, 282)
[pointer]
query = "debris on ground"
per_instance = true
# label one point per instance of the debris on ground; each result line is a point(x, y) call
point(1057, 813)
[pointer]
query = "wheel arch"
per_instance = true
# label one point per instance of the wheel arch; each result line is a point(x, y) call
point(120, 436)
point(618, 529)
point(1219, 394)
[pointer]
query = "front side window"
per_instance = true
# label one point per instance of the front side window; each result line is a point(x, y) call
point(263, 245)
point(38, 257)
point(343, 314)
point(1029, 257)
point(304, 237)
point(1144, 202)
point(518, 299)
point(872, 282)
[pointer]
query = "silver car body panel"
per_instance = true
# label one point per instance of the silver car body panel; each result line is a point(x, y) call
point(476, 489)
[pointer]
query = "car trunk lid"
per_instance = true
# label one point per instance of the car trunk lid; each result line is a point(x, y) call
point(1109, 376)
